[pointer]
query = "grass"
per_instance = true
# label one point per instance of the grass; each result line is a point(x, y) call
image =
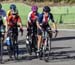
point(67, 12)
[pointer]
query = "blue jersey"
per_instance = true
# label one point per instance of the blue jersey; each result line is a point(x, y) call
point(41, 18)
point(3, 13)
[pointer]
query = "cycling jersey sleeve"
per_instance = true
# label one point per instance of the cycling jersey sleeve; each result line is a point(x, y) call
point(40, 17)
point(9, 18)
point(3, 13)
point(8, 13)
point(29, 16)
point(19, 19)
point(51, 17)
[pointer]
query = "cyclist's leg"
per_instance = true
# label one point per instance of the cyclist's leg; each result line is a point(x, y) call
point(15, 44)
point(10, 47)
point(48, 28)
point(10, 51)
point(28, 29)
point(34, 41)
point(39, 39)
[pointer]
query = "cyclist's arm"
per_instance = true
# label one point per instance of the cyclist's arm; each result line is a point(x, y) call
point(19, 22)
point(38, 25)
point(8, 19)
point(53, 22)
point(5, 25)
point(29, 17)
point(39, 19)
point(5, 19)
point(8, 13)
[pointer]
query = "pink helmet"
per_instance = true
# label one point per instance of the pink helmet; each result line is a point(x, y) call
point(34, 8)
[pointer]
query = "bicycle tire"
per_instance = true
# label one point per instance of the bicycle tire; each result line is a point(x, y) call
point(29, 50)
point(44, 48)
point(48, 49)
point(1, 53)
point(15, 49)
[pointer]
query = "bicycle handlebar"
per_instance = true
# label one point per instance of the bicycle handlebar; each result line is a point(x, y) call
point(53, 31)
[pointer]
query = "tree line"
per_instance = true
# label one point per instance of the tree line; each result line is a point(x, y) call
point(55, 1)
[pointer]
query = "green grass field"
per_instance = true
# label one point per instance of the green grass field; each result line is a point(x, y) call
point(67, 12)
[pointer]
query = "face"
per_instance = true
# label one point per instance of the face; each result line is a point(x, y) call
point(46, 13)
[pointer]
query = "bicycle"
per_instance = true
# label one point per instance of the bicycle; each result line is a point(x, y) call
point(12, 44)
point(31, 41)
point(2, 33)
point(46, 45)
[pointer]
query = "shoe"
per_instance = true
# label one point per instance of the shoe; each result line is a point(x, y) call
point(38, 51)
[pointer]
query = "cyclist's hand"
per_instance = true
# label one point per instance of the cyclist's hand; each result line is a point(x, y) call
point(40, 27)
point(21, 30)
point(56, 32)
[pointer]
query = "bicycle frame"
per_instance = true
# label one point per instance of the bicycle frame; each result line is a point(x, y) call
point(31, 46)
point(46, 44)
point(14, 45)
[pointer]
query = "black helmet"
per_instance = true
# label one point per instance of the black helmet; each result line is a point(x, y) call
point(0, 5)
point(46, 9)
point(13, 6)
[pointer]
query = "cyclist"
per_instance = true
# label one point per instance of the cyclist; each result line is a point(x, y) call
point(43, 23)
point(13, 21)
point(2, 30)
point(2, 15)
point(32, 18)
point(12, 7)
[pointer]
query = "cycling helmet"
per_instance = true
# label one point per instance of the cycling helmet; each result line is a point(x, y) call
point(46, 9)
point(0, 5)
point(13, 6)
point(34, 8)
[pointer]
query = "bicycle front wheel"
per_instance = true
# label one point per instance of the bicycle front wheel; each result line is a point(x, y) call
point(47, 49)
point(1, 50)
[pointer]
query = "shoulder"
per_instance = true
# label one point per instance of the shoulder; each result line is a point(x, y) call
point(9, 17)
point(30, 13)
point(8, 12)
point(3, 11)
point(50, 14)
point(18, 16)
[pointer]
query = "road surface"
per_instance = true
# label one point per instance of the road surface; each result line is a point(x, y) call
point(63, 51)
